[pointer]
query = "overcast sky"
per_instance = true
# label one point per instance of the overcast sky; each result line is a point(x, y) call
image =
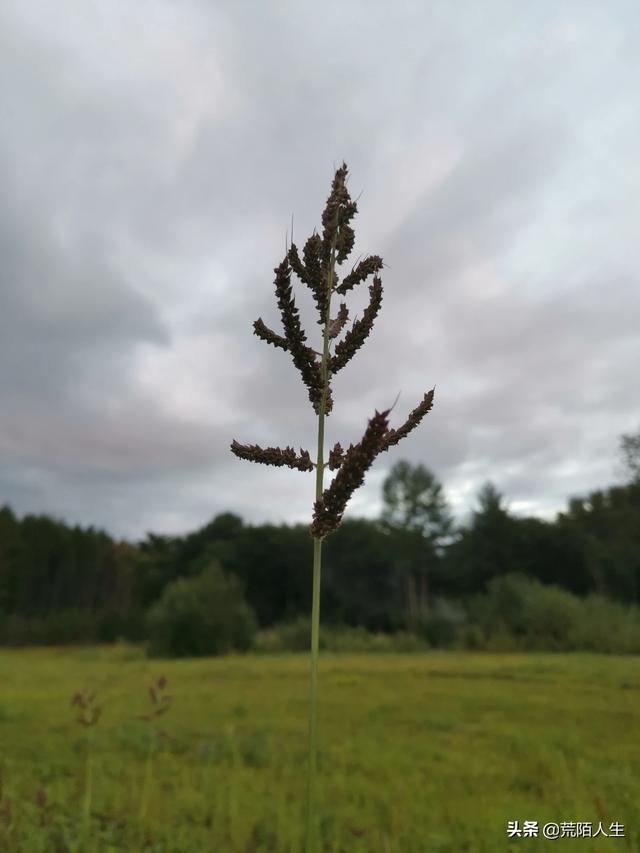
point(151, 157)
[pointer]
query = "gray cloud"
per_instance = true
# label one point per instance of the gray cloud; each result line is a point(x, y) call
point(150, 164)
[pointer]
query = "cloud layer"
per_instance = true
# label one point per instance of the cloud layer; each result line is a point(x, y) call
point(151, 159)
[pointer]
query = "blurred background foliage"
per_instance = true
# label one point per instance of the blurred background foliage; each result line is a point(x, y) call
point(495, 581)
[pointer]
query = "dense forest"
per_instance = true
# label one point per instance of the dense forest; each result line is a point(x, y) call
point(63, 584)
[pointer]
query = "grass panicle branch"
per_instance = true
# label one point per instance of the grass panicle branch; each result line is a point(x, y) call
point(329, 508)
point(416, 415)
point(266, 334)
point(361, 272)
point(310, 271)
point(338, 324)
point(274, 456)
point(303, 356)
point(359, 331)
point(317, 270)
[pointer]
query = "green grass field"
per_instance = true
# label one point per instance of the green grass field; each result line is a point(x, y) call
point(418, 752)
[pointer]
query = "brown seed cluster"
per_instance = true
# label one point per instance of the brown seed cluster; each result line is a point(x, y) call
point(311, 272)
point(270, 337)
point(338, 324)
point(273, 456)
point(359, 331)
point(303, 356)
point(336, 456)
point(316, 270)
point(362, 271)
point(328, 509)
point(416, 415)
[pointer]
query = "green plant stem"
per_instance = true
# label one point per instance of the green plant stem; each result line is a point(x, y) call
point(311, 841)
point(146, 782)
point(88, 787)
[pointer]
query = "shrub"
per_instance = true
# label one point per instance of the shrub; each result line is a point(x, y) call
point(294, 637)
point(607, 626)
point(204, 615)
point(519, 613)
point(60, 627)
point(442, 625)
point(291, 636)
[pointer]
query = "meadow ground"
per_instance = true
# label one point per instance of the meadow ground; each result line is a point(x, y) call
point(421, 752)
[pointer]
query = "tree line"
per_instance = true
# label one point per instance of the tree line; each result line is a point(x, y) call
point(60, 583)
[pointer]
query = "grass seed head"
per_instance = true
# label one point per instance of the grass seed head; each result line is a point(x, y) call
point(89, 711)
point(316, 270)
point(160, 701)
